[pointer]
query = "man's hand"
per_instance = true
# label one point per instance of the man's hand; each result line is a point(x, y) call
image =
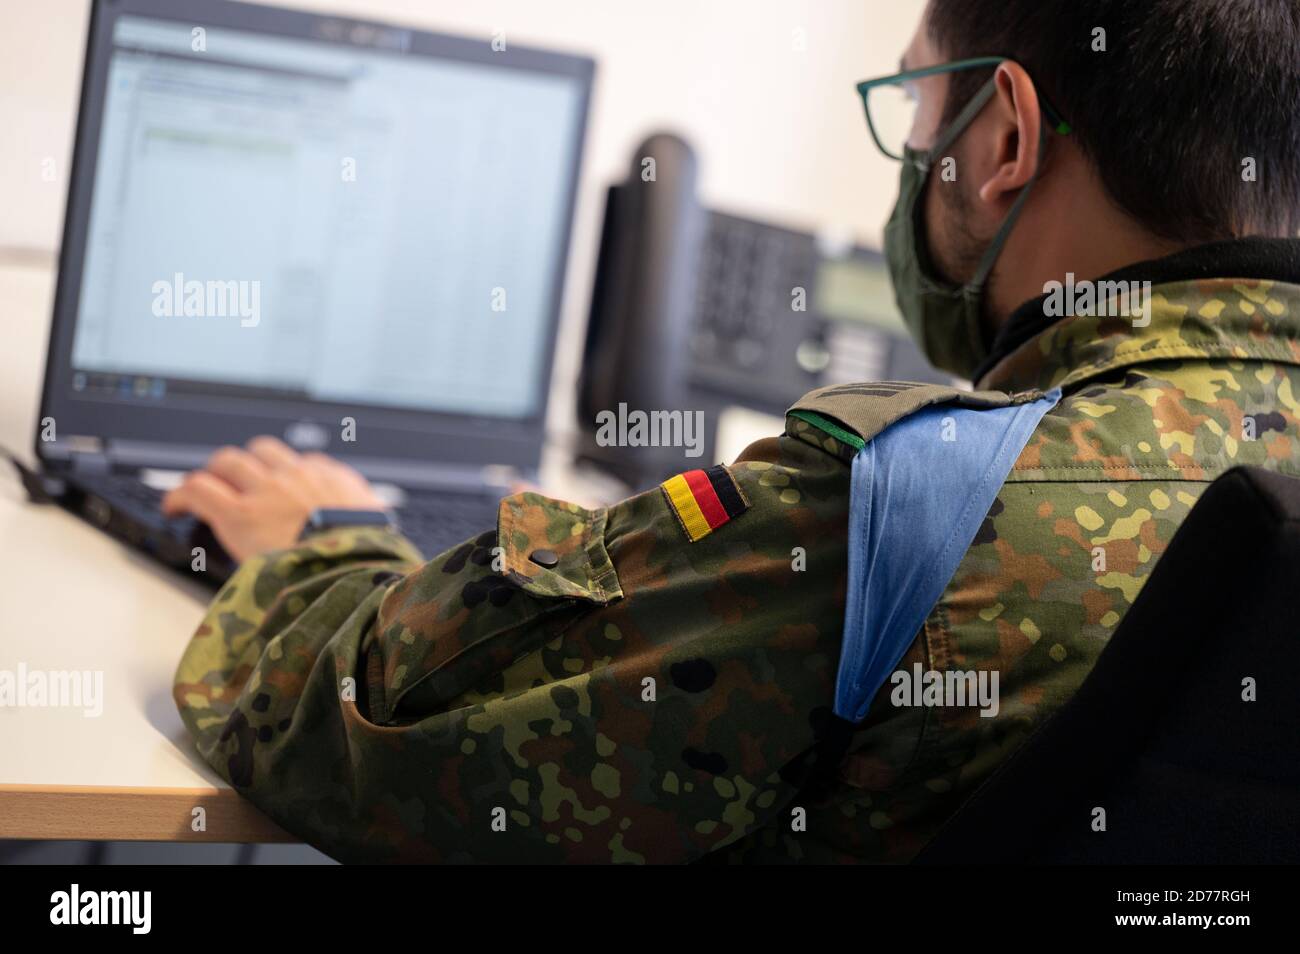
point(258, 499)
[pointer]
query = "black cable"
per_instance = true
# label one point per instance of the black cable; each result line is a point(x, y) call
point(38, 487)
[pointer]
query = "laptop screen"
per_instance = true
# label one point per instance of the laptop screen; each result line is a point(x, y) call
point(274, 216)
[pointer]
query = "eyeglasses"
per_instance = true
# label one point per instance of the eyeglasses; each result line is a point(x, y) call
point(891, 107)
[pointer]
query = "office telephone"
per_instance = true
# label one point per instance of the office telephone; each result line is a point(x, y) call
point(697, 310)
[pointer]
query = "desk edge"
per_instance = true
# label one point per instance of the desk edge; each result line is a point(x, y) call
point(103, 813)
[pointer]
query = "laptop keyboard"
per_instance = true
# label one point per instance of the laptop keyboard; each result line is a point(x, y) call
point(137, 492)
point(138, 498)
point(434, 522)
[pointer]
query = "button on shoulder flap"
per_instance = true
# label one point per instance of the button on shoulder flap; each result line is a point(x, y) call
point(551, 548)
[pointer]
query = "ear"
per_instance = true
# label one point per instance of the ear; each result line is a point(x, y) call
point(1018, 122)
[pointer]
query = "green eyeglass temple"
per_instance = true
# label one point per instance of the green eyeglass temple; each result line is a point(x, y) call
point(1058, 124)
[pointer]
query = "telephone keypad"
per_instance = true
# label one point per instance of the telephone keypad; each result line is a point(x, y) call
point(746, 332)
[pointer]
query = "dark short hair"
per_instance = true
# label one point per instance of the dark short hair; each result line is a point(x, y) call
point(1186, 91)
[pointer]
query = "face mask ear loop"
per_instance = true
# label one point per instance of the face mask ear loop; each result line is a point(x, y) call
point(995, 248)
point(974, 289)
point(964, 119)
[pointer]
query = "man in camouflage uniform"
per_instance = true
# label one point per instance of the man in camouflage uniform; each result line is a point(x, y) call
point(657, 689)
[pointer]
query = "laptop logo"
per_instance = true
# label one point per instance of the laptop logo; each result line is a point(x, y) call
point(364, 34)
point(305, 435)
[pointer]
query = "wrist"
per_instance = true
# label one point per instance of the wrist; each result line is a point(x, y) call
point(330, 518)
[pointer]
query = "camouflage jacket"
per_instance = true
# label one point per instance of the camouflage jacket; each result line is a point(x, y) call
point(651, 699)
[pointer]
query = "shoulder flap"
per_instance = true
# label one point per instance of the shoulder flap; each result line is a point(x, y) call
point(864, 410)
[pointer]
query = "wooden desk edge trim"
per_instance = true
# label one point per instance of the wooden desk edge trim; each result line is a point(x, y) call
point(90, 813)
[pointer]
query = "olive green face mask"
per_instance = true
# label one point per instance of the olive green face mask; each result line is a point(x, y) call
point(945, 319)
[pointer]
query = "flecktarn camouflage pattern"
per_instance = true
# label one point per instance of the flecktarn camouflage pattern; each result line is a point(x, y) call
point(644, 698)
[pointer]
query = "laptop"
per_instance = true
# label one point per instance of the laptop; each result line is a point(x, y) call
point(349, 235)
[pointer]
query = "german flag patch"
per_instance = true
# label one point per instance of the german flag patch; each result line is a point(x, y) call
point(704, 500)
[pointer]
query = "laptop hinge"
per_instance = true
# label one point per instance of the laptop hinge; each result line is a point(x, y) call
point(87, 454)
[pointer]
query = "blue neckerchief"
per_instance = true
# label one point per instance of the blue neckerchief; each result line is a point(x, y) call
point(919, 492)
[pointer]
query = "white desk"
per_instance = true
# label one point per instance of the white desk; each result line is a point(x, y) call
point(73, 599)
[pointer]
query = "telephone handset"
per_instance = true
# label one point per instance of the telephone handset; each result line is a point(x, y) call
point(698, 311)
point(642, 302)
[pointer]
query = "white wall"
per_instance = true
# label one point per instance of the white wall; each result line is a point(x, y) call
point(780, 130)
point(762, 88)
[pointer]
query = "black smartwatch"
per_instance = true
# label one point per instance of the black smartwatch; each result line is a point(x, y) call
point(329, 518)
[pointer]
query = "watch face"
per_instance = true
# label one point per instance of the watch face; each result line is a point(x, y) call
point(327, 518)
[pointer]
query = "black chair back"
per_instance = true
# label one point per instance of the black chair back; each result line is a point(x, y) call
point(1187, 732)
